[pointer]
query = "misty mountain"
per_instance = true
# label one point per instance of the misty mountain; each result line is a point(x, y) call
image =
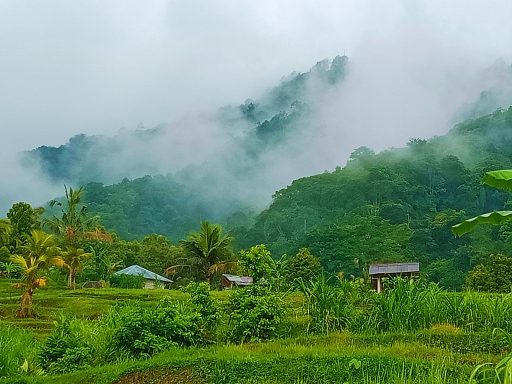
point(401, 201)
point(247, 131)
point(498, 79)
point(397, 205)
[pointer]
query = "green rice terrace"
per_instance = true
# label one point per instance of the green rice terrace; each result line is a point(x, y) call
point(333, 333)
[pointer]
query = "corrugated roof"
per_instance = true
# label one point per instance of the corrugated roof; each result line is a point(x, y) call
point(239, 280)
point(394, 268)
point(135, 270)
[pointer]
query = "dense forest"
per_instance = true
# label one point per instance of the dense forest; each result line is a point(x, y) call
point(397, 205)
point(393, 205)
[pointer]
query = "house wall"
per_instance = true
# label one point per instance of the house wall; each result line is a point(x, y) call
point(152, 284)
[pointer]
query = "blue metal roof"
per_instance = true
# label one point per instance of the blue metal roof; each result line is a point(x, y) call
point(137, 270)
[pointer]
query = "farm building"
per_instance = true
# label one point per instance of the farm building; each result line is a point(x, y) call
point(379, 271)
point(233, 281)
point(151, 279)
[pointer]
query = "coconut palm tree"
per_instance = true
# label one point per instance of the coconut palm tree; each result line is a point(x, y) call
point(208, 251)
point(72, 260)
point(39, 253)
point(74, 222)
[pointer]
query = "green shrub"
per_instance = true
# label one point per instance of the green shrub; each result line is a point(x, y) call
point(255, 314)
point(201, 299)
point(257, 262)
point(145, 331)
point(127, 281)
point(65, 350)
point(301, 268)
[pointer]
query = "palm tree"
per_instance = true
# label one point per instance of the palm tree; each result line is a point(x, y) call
point(208, 251)
point(72, 260)
point(501, 179)
point(74, 221)
point(40, 252)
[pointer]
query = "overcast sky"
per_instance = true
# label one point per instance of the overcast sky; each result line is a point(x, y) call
point(97, 66)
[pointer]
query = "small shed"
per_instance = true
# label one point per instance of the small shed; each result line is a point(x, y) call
point(379, 271)
point(233, 281)
point(151, 279)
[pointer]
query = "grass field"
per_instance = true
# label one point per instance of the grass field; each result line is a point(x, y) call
point(442, 354)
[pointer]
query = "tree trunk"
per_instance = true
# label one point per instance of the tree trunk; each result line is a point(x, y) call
point(26, 305)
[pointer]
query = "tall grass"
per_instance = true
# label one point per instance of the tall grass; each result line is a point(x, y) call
point(18, 352)
point(406, 306)
point(330, 307)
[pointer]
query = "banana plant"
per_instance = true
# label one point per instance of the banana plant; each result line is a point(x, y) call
point(501, 179)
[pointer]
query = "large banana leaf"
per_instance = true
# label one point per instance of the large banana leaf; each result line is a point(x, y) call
point(496, 217)
point(501, 179)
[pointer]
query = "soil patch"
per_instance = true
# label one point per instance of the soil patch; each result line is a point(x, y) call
point(162, 376)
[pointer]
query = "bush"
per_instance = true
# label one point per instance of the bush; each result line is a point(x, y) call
point(209, 313)
point(127, 281)
point(255, 314)
point(145, 331)
point(257, 262)
point(494, 275)
point(65, 350)
point(302, 268)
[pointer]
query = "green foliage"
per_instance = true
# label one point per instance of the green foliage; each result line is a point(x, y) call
point(301, 268)
point(18, 348)
point(39, 253)
point(359, 240)
point(501, 179)
point(446, 273)
point(257, 262)
point(204, 304)
point(5, 233)
point(407, 306)
point(255, 314)
point(65, 350)
point(73, 223)
point(145, 331)
point(23, 219)
point(156, 253)
point(127, 281)
point(207, 250)
point(329, 306)
point(493, 275)
point(4, 254)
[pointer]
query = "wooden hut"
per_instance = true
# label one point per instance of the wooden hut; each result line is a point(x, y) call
point(379, 271)
point(233, 281)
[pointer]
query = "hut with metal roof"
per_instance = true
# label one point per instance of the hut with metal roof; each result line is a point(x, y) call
point(380, 271)
point(151, 279)
point(233, 281)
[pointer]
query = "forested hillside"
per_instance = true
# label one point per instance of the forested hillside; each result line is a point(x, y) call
point(397, 205)
point(390, 206)
point(156, 204)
